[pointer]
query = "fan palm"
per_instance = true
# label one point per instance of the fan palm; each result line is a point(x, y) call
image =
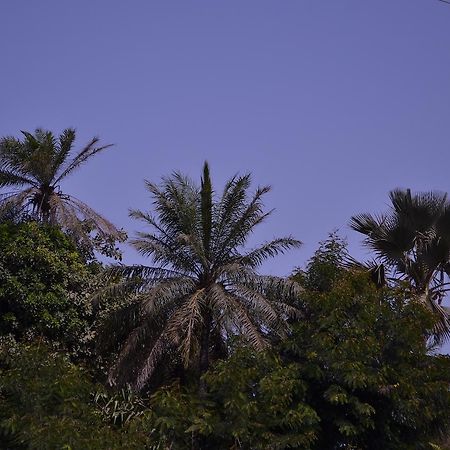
point(412, 243)
point(34, 167)
point(204, 287)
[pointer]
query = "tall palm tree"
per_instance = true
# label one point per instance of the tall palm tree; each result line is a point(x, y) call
point(204, 287)
point(412, 243)
point(34, 167)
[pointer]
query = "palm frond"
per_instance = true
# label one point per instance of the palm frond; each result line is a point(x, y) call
point(87, 152)
point(97, 221)
point(147, 369)
point(10, 178)
point(184, 325)
point(412, 244)
point(270, 249)
point(441, 330)
point(231, 205)
point(244, 325)
point(167, 254)
point(63, 149)
point(139, 356)
point(261, 308)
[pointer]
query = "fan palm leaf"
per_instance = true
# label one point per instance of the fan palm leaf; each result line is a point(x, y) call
point(412, 243)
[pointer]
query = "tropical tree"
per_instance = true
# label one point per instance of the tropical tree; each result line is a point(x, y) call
point(412, 244)
point(355, 374)
point(204, 287)
point(34, 167)
point(44, 285)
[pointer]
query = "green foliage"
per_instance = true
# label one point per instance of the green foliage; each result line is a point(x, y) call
point(120, 407)
point(252, 401)
point(355, 374)
point(43, 283)
point(349, 367)
point(325, 267)
point(45, 404)
point(412, 243)
point(362, 353)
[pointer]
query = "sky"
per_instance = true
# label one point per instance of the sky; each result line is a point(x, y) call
point(332, 103)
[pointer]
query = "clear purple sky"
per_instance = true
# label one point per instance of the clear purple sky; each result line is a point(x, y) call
point(333, 103)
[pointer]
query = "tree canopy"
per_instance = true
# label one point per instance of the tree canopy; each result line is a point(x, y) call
point(199, 350)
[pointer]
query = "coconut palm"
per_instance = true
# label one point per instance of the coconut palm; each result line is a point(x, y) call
point(412, 243)
point(34, 167)
point(204, 287)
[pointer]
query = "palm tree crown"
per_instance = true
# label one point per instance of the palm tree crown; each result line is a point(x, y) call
point(204, 287)
point(412, 242)
point(34, 168)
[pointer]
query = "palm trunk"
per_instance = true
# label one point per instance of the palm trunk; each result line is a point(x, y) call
point(204, 352)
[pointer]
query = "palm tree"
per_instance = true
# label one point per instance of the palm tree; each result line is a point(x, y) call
point(34, 167)
point(204, 287)
point(412, 243)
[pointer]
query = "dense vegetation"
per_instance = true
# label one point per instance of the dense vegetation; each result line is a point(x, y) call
point(199, 350)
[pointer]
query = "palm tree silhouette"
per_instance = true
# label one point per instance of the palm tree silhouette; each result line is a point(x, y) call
point(412, 243)
point(204, 287)
point(34, 167)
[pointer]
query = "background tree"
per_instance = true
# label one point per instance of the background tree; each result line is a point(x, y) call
point(46, 402)
point(204, 288)
point(34, 167)
point(412, 243)
point(253, 401)
point(44, 284)
point(326, 266)
point(371, 380)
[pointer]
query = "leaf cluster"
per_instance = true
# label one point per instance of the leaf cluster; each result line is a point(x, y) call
point(43, 284)
point(45, 403)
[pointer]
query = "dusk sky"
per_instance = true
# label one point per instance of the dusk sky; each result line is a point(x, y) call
point(333, 103)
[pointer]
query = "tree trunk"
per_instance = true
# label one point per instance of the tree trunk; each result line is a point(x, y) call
point(204, 352)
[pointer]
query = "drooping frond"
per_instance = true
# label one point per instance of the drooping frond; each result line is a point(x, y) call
point(97, 221)
point(159, 347)
point(184, 326)
point(17, 200)
point(160, 312)
point(139, 355)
